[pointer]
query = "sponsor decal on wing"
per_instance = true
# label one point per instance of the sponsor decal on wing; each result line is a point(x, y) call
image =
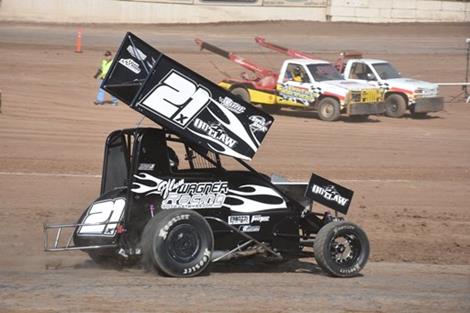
point(234, 124)
point(253, 198)
point(258, 124)
point(130, 64)
point(220, 141)
point(140, 56)
point(136, 53)
point(329, 193)
point(233, 106)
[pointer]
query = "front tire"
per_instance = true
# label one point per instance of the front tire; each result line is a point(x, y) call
point(395, 106)
point(178, 243)
point(341, 249)
point(329, 109)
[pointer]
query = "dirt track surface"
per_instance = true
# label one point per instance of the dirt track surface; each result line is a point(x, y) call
point(411, 177)
point(295, 287)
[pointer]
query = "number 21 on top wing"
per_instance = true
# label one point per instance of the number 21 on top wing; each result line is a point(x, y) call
point(184, 102)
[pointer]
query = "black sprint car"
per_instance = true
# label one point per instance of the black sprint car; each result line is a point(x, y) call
point(167, 200)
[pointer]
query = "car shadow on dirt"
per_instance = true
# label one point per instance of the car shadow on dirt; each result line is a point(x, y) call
point(243, 265)
point(360, 119)
point(254, 265)
point(314, 115)
point(421, 117)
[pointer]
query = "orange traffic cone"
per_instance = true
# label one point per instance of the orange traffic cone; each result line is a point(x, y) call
point(78, 42)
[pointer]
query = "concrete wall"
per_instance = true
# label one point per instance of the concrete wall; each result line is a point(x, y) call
point(112, 11)
point(379, 11)
point(202, 11)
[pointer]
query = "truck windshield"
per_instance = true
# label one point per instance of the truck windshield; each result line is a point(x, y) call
point(322, 72)
point(386, 71)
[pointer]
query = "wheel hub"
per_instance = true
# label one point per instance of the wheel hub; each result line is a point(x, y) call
point(183, 243)
point(340, 248)
point(328, 110)
point(344, 249)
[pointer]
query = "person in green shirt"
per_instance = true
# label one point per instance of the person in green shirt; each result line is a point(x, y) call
point(100, 75)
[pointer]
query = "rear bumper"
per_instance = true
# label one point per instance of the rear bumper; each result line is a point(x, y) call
point(434, 104)
point(366, 108)
point(60, 238)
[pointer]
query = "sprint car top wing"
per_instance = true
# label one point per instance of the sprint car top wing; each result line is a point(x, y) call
point(184, 102)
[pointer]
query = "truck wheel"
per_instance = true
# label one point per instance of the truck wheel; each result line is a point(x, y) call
point(178, 243)
point(341, 249)
point(328, 109)
point(395, 105)
point(241, 93)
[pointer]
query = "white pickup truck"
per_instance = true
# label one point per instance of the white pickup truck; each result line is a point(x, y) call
point(401, 94)
point(316, 83)
point(302, 84)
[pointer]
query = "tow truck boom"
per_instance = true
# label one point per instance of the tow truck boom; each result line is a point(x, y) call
point(290, 52)
point(260, 71)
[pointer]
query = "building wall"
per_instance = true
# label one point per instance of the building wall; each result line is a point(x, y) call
point(376, 11)
point(178, 11)
point(207, 11)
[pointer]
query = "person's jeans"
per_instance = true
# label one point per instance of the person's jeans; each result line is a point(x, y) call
point(101, 94)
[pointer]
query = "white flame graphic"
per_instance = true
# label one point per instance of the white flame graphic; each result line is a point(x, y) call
point(162, 187)
point(249, 205)
point(141, 188)
point(236, 124)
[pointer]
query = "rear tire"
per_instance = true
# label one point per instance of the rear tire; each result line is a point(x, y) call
point(395, 106)
point(329, 109)
point(178, 243)
point(341, 249)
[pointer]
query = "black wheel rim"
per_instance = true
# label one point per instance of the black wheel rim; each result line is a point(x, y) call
point(345, 249)
point(184, 243)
